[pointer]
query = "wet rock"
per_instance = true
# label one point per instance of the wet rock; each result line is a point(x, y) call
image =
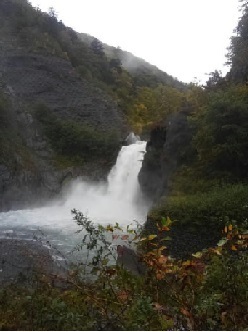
point(129, 260)
point(165, 148)
point(21, 261)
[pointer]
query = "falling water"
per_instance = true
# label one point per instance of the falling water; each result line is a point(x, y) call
point(117, 200)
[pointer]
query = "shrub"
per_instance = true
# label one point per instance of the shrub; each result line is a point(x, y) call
point(214, 208)
point(198, 219)
point(206, 292)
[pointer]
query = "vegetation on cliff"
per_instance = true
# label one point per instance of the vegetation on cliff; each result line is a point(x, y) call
point(209, 183)
point(42, 33)
point(76, 142)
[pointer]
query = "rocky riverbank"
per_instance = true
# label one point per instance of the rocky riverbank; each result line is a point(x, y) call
point(22, 260)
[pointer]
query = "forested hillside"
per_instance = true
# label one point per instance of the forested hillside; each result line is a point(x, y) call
point(65, 103)
point(198, 158)
point(100, 64)
point(143, 73)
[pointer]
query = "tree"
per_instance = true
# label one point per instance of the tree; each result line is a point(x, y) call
point(52, 13)
point(238, 50)
point(222, 137)
point(97, 47)
point(215, 78)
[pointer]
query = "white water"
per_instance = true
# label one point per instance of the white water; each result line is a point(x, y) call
point(118, 200)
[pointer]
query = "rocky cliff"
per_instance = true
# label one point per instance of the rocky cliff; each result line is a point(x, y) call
point(165, 149)
point(28, 172)
point(62, 104)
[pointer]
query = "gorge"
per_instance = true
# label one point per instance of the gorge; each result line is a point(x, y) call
point(119, 199)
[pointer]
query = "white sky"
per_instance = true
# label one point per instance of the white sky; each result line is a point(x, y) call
point(185, 38)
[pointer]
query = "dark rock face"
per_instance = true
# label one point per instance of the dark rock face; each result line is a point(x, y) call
point(129, 260)
point(166, 151)
point(21, 260)
point(27, 79)
point(165, 148)
point(54, 82)
point(184, 240)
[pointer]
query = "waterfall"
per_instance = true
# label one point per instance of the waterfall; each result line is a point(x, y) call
point(123, 178)
point(117, 200)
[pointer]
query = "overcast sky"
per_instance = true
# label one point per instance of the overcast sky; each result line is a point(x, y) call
point(185, 38)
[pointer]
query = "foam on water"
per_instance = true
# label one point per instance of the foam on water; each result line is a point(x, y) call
point(117, 200)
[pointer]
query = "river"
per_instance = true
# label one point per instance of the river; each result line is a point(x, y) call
point(119, 199)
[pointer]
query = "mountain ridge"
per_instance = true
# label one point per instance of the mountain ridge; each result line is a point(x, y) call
point(65, 106)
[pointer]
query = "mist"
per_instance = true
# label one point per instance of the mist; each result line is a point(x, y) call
point(117, 200)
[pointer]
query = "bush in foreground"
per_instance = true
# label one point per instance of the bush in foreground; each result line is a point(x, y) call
point(206, 292)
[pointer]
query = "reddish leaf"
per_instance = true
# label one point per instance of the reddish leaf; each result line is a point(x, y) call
point(162, 259)
point(123, 296)
point(185, 312)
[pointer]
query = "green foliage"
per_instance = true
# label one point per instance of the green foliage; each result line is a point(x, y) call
point(77, 141)
point(212, 209)
point(223, 126)
point(153, 105)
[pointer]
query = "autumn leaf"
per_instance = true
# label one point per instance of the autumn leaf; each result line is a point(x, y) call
point(125, 237)
point(244, 236)
point(169, 221)
point(162, 259)
point(198, 254)
point(168, 271)
point(165, 228)
point(221, 242)
point(223, 317)
point(123, 296)
point(109, 228)
point(158, 227)
point(135, 238)
point(217, 251)
point(158, 306)
point(186, 263)
point(167, 238)
point(151, 237)
point(162, 248)
point(185, 312)
point(159, 275)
